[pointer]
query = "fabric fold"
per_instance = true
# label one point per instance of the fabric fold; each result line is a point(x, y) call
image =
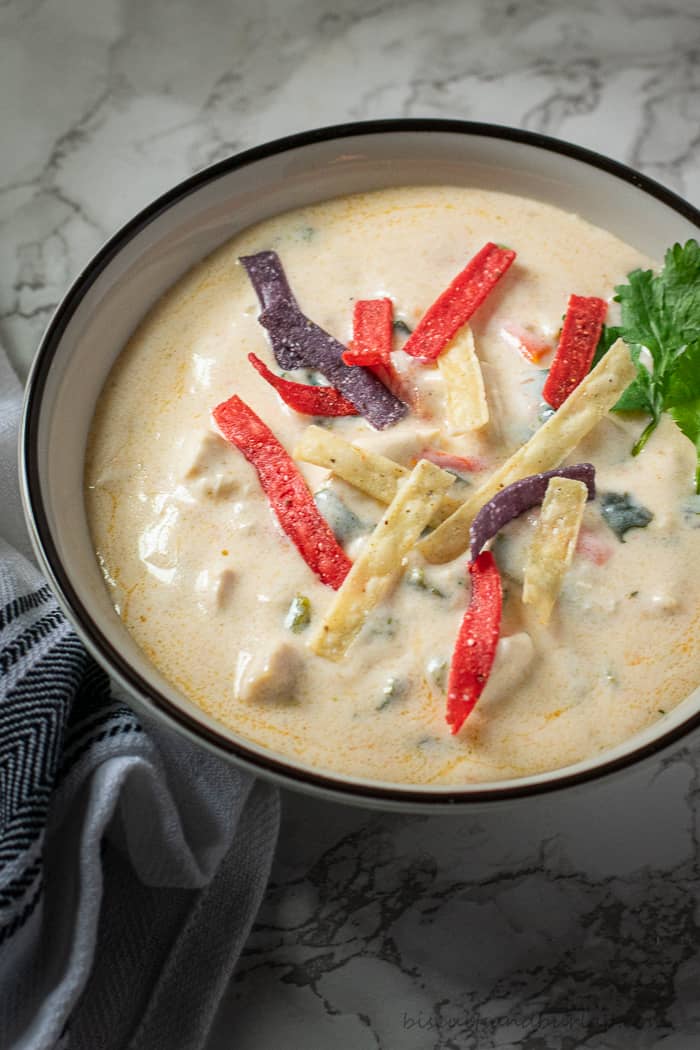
point(132, 863)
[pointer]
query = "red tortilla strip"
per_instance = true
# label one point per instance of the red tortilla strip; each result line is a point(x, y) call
point(455, 306)
point(309, 400)
point(476, 643)
point(285, 489)
point(577, 344)
point(372, 333)
point(299, 343)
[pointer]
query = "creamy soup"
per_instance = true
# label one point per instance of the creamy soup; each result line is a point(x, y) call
point(224, 605)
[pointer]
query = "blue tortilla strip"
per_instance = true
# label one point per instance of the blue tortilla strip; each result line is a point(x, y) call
point(522, 495)
point(295, 337)
point(268, 279)
point(298, 342)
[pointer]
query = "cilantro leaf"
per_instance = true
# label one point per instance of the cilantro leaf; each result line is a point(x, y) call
point(641, 308)
point(609, 334)
point(682, 292)
point(637, 397)
point(683, 398)
point(661, 313)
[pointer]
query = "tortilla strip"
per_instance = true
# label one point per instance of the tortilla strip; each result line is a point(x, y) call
point(467, 408)
point(553, 544)
point(380, 562)
point(375, 475)
point(545, 450)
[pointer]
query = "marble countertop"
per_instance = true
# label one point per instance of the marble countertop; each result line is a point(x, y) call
point(569, 923)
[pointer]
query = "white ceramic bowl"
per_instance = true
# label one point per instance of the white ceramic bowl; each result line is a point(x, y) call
point(144, 258)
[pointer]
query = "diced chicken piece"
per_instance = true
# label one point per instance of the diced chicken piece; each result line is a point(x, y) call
point(215, 589)
point(272, 680)
point(660, 604)
point(514, 657)
point(158, 544)
point(207, 466)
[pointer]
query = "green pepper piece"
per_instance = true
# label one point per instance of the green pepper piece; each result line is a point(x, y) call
point(298, 615)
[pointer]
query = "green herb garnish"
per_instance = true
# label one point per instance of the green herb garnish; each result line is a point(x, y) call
point(416, 578)
point(661, 313)
point(343, 521)
point(683, 399)
point(437, 671)
point(394, 688)
point(298, 615)
point(621, 512)
point(426, 741)
point(382, 627)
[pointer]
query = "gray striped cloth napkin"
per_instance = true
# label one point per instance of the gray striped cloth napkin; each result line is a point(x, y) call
point(131, 863)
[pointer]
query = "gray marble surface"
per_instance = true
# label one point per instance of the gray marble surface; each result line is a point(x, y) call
point(570, 923)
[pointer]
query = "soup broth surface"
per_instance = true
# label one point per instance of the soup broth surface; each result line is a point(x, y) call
point(203, 577)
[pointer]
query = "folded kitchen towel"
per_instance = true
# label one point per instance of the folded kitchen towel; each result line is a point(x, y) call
point(132, 863)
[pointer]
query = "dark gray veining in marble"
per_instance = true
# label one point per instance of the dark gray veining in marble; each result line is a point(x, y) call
point(571, 924)
point(107, 104)
point(564, 925)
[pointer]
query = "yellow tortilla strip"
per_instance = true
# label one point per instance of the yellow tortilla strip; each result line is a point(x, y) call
point(553, 544)
point(545, 450)
point(467, 408)
point(375, 475)
point(380, 562)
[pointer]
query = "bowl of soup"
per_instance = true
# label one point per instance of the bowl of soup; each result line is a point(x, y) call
point(338, 458)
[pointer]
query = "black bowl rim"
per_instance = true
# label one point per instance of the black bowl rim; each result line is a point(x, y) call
point(267, 764)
